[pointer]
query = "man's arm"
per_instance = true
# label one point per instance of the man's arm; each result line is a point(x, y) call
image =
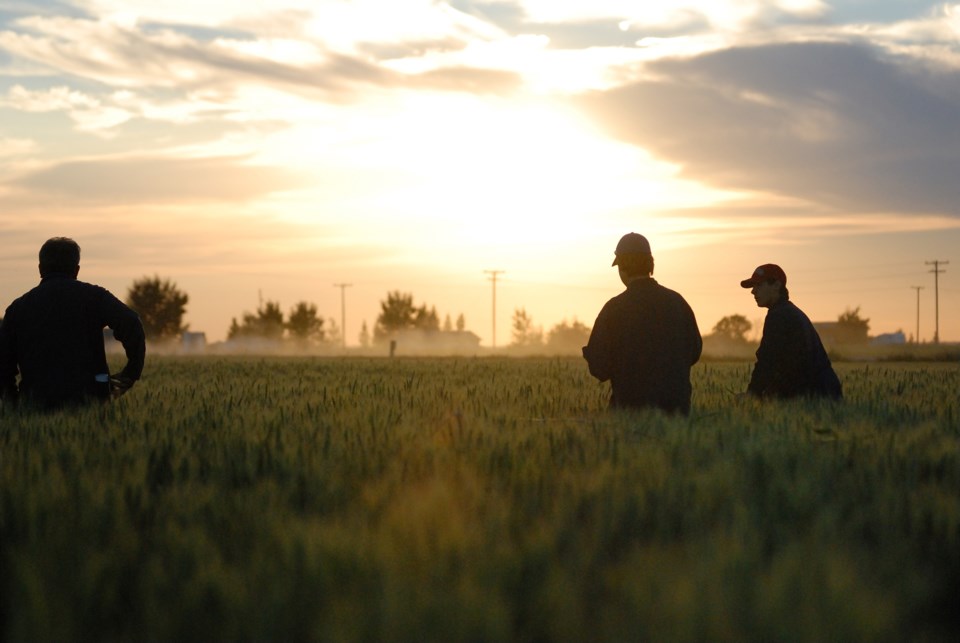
point(694, 338)
point(8, 360)
point(598, 350)
point(760, 378)
point(128, 330)
point(780, 358)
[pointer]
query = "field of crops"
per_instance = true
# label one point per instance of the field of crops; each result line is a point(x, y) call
point(481, 499)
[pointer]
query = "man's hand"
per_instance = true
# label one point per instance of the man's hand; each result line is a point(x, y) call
point(120, 384)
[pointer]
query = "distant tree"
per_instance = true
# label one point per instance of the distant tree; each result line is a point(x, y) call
point(270, 320)
point(161, 306)
point(334, 336)
point(523, 332)
point(852, 328)
point(397, 313)
point(447, 324)
point(267, 323)
point(568, 336)
point(461, 322)
point(303, 324)
point(733, 328)
point(364, 335)
point(426, 319)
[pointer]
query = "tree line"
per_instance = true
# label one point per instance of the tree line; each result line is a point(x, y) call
point(162, 306)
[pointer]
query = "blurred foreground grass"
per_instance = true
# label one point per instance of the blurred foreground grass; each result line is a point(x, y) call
point(481, 499)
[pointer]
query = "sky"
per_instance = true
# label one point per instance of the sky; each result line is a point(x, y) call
point(256, 151)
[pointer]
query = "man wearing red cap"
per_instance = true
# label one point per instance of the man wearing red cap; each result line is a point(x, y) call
point(645, 339)
point(791, 360)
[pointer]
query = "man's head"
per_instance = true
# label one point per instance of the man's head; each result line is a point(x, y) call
point(633, 257)
point(59, 255)
point(768, 285)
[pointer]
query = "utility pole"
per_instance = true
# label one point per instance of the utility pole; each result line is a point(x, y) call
point(936, 263)
point(343, 312)
point(493, 277)
point(916, 338)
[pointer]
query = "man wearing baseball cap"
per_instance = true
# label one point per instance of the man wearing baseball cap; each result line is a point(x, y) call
point(791, 360)
point(645, 339)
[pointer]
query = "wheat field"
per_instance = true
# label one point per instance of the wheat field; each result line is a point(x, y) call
point(481, 499)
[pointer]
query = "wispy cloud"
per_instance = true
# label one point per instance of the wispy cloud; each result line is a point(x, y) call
point(137, 181)
point(621, 22)
point(134, 55)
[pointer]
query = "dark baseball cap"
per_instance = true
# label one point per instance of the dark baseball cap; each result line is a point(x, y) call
point(631, 244)
point(766, 272)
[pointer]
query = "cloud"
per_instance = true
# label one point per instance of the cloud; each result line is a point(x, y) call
point(152, 180)
point(615, 23)
point(16, 146)
point(88, 113)
point(173, 58)
point(55, 98)
point(840, 124)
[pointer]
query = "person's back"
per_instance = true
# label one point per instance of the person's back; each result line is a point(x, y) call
point(646, 339)
point(649, 341)
point(53, 336)
point(791, 360)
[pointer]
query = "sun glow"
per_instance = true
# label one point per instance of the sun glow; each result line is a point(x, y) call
point(484, 172)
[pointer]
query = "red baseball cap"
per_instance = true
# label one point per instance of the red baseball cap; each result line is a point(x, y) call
point(766, 272)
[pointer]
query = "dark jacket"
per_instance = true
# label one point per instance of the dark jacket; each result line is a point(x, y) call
point(53, 336)
point(644, 341)
point(791, 360)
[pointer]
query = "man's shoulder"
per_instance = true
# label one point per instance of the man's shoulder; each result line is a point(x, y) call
point(52, 290)
point(24, 299)
point(91, 287)
point(648, 291)
point(667, 293)
point(787, 315)
point(84, 288)
point(787, 310)
point(670, 292)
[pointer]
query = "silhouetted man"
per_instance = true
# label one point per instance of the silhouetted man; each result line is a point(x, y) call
point(53, 336)
point(791, 360)
point(645, 339)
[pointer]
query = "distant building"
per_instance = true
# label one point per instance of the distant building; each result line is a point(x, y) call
point(252, 345)
point(193, 342)
point(889, 339)
point(834, 334)
point(828, 331)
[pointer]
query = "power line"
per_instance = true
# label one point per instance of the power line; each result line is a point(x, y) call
point(936, 294)
point(493, 277)
point(343, 312)
point(917, 336)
